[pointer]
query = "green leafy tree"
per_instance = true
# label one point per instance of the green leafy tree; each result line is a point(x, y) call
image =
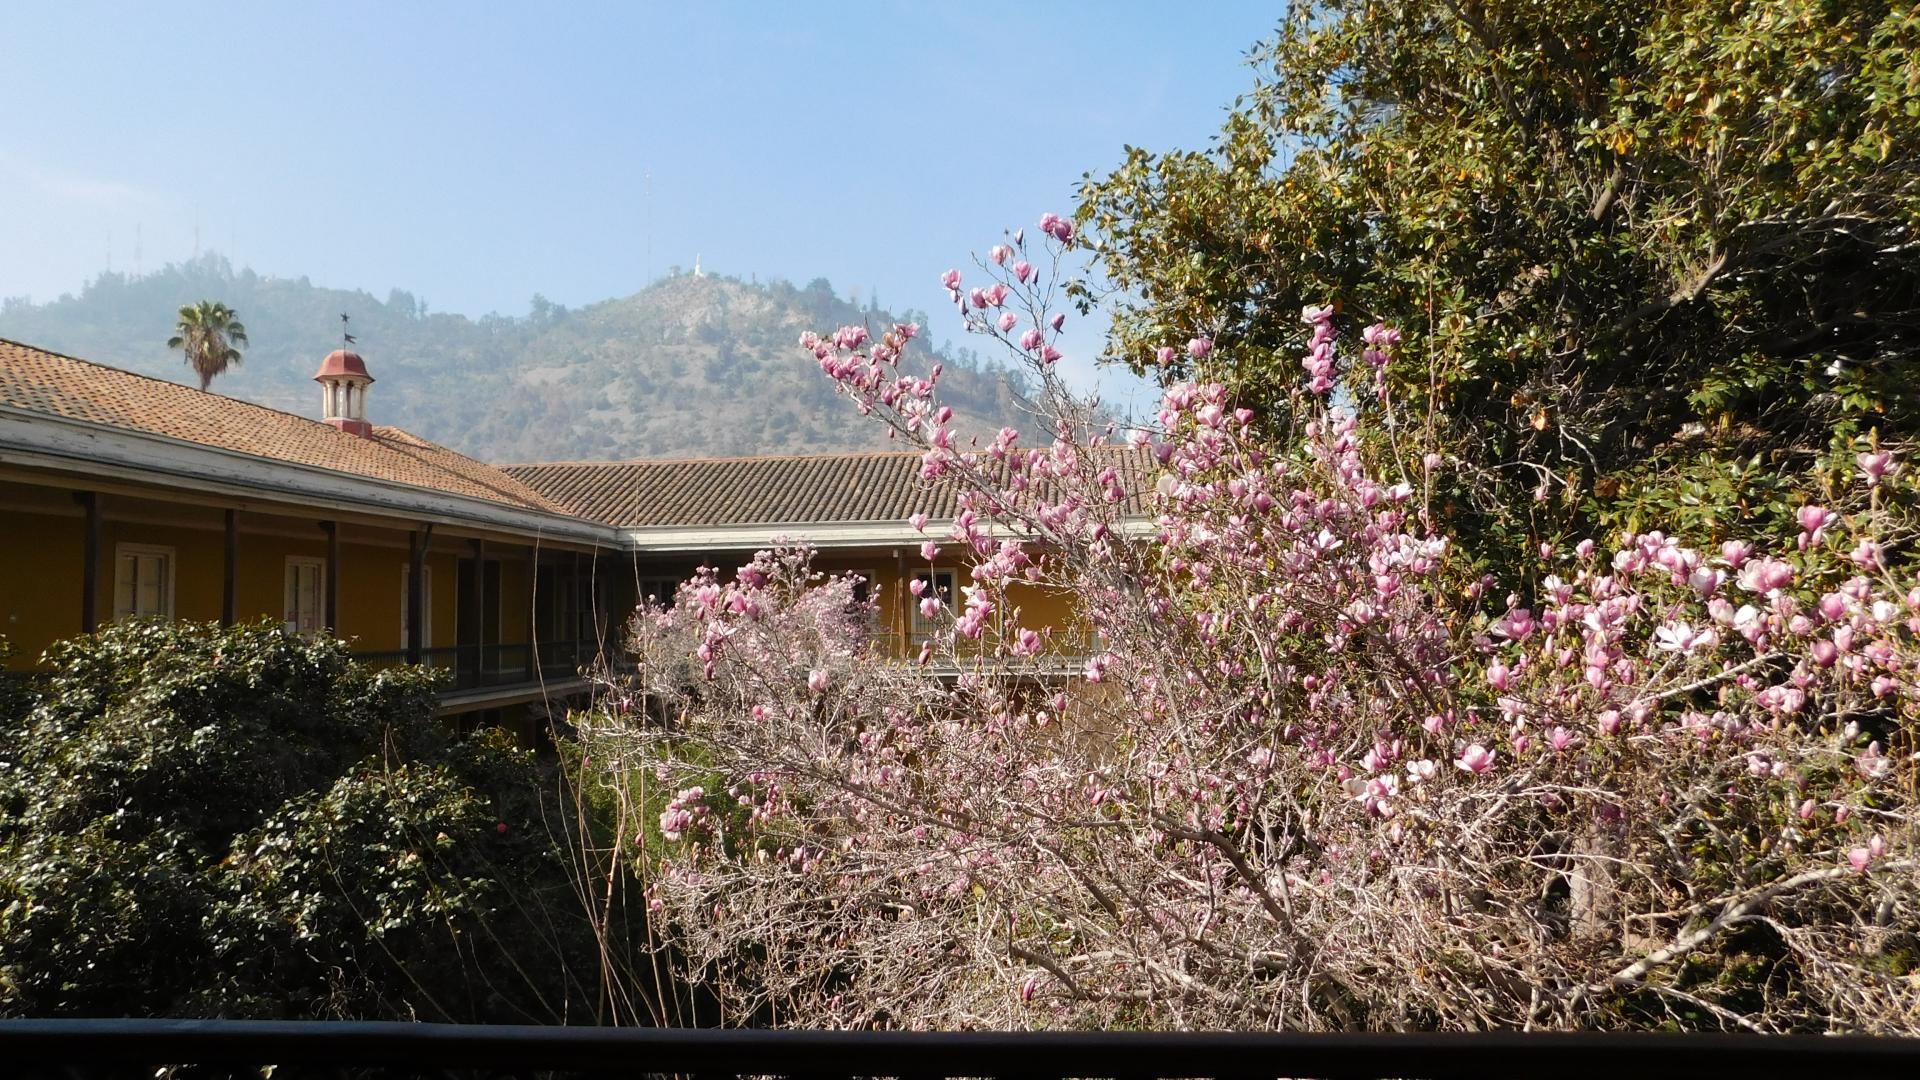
point(1656, 261)
point(210, 335)
point(197, 821)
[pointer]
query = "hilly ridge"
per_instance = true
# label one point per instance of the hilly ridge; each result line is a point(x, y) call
point(689, 366)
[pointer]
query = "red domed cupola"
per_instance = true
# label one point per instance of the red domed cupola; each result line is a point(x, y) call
point(343, 383)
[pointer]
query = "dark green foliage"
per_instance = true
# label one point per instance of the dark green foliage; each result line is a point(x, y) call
point(206, 822)
point(1639, 249)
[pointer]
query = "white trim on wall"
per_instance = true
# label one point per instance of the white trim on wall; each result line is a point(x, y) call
point(426, 604)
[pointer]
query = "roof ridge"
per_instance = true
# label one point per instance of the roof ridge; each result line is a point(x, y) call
point(717, 459)
point(176, 385)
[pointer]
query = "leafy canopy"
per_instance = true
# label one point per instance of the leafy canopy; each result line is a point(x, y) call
point(198, 821)
point(1662, 255)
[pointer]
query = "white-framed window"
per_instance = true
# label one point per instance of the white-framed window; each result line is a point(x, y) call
point(426, 605)
point(939, 585)
point(142, 580)
point(305, 595)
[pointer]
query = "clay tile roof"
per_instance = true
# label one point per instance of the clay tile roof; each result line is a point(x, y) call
point(342, 362)
point(771, 491)
point(38, 381)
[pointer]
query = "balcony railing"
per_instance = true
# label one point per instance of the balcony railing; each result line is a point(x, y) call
point(103, 1048)
point(1065, 652)
point(504, 664)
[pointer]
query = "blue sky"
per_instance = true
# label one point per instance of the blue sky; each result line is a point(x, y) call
point(476, 154)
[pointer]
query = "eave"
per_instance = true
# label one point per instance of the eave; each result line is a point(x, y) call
point(37, 440)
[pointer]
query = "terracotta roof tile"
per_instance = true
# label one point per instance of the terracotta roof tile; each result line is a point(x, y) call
point(772, 491)
point(39, 381)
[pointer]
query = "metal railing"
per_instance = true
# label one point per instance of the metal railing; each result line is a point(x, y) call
point(1066, 653)
point(285, 1050)
point(496, 664)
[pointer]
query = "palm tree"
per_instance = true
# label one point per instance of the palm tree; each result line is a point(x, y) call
point(208, 334)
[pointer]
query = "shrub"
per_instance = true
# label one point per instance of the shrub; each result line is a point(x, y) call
point(240, 822)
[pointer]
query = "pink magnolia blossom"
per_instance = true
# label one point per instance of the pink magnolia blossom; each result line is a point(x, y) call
point(1866, 554)
point(1765, 576)
point(1874, 465)
point(1475, 759)
point(1813, 525)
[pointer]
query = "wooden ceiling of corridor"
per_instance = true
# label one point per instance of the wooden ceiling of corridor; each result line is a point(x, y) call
point(35, 380)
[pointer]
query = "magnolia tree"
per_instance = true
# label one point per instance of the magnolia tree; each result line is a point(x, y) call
point(1315, 776)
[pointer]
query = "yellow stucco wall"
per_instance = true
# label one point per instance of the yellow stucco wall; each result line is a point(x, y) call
point(42, 540)
point(40, 567)
point(1034, 607)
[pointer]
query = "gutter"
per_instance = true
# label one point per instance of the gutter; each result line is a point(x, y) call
point(823, 535)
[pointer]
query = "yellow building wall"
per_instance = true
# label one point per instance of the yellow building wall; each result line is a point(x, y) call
point(42, 544)
point(1030, 606)
point(1038, 607)
point(40, 569)
point(41, 541)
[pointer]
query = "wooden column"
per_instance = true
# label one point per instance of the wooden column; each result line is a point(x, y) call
point(903, 602)
point(228, 581)
point(332, 585)
point(90, 569)
point(416, 589)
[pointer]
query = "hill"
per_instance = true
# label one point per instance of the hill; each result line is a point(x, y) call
point(689, 366)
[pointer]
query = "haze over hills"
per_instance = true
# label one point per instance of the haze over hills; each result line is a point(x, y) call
point(689, 366)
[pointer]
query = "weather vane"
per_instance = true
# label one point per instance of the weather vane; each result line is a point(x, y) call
point(344, 319)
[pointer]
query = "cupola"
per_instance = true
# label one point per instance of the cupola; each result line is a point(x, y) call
point(343, 383)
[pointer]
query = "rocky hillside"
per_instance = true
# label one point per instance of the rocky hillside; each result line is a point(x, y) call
point(688, 366)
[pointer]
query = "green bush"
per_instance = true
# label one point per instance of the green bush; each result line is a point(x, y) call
point(197, 821)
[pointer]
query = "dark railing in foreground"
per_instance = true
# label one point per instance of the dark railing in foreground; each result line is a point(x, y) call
point(496, 663)
point(108, 1047)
